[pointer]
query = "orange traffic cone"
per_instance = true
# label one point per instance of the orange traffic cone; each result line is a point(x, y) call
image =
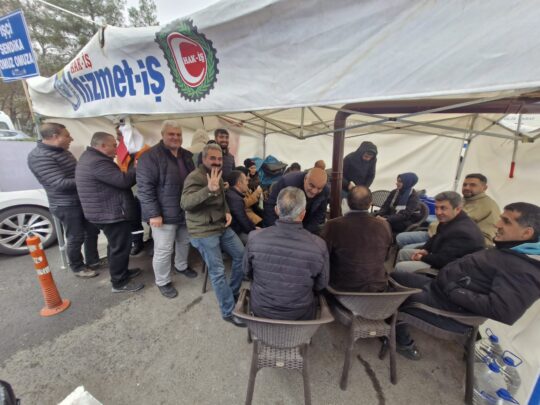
point(54, 304)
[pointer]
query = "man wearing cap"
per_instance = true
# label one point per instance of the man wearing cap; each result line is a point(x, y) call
point(314, 185)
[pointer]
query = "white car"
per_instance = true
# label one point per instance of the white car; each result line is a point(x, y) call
point(24, 213)
point(13, 135)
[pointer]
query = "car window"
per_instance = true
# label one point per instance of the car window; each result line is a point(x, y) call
point(3, 125)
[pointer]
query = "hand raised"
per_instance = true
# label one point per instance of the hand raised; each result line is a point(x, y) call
point(213, 179)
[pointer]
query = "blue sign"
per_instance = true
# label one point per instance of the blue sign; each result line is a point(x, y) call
point(17, 60)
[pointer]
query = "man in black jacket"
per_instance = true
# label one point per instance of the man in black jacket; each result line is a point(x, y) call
point(221, 136)
point(54, 168)
point(286, 262)
point(241, 224)
point(359, 166)
point(499, 283)
point(313, 183)
point(160, 180)
point(457, 235)
point(108, 202)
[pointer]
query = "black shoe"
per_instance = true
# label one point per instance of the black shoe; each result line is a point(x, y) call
point(168, 290)
point(409, 351)
point(129, 287)
point(189, 273)
point(132, 273)
point(235, 321)
point(98, 265)
point(136, 248)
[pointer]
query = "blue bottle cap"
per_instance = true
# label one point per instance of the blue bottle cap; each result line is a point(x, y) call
point(504, 394)
point(494, 367)
point(509, 361)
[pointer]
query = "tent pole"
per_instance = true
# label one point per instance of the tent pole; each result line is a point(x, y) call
point(264, 141)
point(514, 152)
point(337, 164)
point(467, 141)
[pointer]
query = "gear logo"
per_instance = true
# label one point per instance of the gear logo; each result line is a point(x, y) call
point(191, 58)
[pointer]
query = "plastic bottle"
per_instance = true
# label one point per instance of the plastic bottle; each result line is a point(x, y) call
point(488, 379)
point(509, 365)
point(488, 349)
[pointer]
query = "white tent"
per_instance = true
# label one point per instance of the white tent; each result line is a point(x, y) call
point(432, 76)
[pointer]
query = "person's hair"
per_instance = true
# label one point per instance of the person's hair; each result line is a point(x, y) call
point(220, 131)
point(49, 129)
point(242, 169)
point(295, 166)
point(478, 176)
point(170, 123)
point(291, 202)
point(99, 138)
point(452, 197)
point(529, 215)
point(359, 198)
point(234, 177)
point(211, 146)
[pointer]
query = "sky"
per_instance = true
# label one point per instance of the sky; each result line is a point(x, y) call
point(168, 10)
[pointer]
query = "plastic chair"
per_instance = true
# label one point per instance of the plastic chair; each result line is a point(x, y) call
point(280, 343)
point(379, 197)
point(467, 337)
point(366, 315)
point(424, 210)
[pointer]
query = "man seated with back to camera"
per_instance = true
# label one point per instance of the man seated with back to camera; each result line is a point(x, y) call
point(286, 263)
point(358, 244)
point(499, 283)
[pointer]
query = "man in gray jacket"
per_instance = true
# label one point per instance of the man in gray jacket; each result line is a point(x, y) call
point(286, 262)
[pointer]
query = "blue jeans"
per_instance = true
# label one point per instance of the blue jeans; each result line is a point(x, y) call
point(416, 238)
point(210, 249)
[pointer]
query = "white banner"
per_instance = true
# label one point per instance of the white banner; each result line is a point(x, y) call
point(255, 54)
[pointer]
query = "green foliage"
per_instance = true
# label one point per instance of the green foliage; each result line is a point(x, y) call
point(145, 15)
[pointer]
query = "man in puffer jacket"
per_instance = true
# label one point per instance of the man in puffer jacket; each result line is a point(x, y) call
point(54, 167)
point(499, 283)
point(108, 202)
point(286, 262)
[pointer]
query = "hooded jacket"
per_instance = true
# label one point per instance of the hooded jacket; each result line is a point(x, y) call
point(402, 207)
point(358, 170)
point(500, 284)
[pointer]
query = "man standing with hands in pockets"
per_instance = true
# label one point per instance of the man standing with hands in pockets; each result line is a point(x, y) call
point(208, 219)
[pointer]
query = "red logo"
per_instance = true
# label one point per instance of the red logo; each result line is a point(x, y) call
point(189, 57)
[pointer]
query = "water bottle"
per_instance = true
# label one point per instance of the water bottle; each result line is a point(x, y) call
point(488, 349)
point(509, 365)
point(501, 397)
point(488, 379)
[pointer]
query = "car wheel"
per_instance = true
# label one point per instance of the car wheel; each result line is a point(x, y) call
point(17, 223)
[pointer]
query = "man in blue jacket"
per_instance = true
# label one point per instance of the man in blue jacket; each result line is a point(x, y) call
point(160, 180)
point(314, 185)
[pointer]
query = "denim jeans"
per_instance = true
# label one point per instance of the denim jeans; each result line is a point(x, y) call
point(416, 238)
point(169, 238)
point(406, 264)
point(78, 232)
point(428, 298)
point(210, 248)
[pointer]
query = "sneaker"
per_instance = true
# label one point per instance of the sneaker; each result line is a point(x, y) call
point(189, 273)
point(132, 273)
point(98, 265)
point(86, 273)
point(168, 290)
point(129, 287)
point(235, 321)
point(409, 351)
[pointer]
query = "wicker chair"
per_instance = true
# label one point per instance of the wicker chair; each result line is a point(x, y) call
point(366, 315)
point(467, 337)
point(279, 343)
point(379, 197)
